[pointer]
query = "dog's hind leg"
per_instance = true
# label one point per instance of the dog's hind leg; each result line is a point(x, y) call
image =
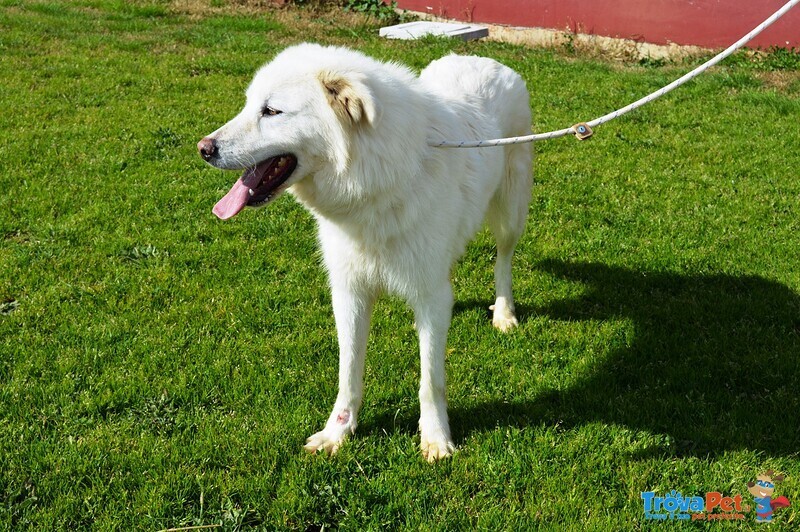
point(352, 310)
point(433, 313)
point(506, 217)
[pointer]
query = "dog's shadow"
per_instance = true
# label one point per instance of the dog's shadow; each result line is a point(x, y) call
point(713, 365)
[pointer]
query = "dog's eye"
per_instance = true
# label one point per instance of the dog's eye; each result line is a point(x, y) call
point(269, 111)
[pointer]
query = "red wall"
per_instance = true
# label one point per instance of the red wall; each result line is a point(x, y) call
point(707, 23)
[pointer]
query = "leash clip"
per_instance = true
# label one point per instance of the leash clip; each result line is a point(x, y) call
point(582, 130)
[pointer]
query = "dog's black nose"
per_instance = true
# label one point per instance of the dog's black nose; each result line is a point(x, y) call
point(207, 148)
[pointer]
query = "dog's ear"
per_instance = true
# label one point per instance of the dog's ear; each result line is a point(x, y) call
point(349, 97)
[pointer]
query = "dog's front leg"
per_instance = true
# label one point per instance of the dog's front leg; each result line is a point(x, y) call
point(352, 310)
point(433, 313)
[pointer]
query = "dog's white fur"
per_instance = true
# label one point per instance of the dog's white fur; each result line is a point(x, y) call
point(393, 213)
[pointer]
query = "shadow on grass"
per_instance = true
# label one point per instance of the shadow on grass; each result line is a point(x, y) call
point(714, 363)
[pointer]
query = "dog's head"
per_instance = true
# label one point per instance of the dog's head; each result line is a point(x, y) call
point(301, 111)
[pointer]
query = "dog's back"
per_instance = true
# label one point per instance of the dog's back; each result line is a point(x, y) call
point(496, 90)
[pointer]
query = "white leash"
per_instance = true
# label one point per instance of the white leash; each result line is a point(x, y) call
point(583, 130)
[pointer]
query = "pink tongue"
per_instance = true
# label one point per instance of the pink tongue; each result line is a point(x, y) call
point(236, 200)
point(233, 202)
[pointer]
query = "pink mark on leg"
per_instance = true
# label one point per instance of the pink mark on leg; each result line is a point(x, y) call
point(343, 417)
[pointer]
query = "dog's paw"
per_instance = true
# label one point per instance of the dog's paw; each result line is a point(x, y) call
point(341, 424)
point(503, 318)
point(436, 450)
point(505, 324)
point(323, 441)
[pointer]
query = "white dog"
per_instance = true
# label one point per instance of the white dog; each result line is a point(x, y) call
point(348, 136)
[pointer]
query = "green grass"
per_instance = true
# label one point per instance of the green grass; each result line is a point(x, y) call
point(159, 368)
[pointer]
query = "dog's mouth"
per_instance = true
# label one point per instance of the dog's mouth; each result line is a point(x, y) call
point(259, 185)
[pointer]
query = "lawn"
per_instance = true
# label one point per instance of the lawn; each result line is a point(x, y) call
point(161, 369)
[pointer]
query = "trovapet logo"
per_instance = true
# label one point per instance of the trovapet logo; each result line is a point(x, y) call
point(674, 506)
point(715, 506)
